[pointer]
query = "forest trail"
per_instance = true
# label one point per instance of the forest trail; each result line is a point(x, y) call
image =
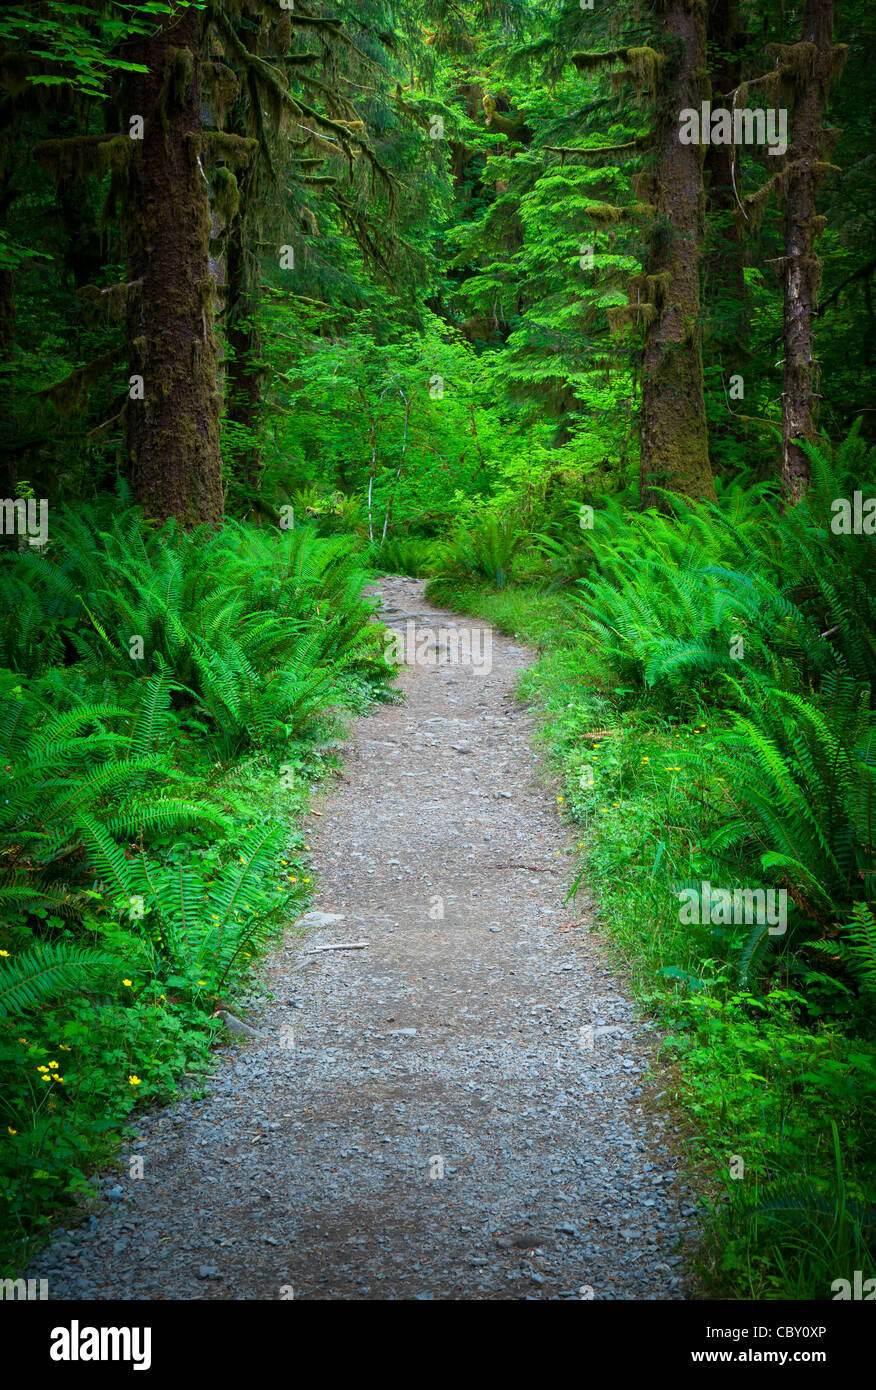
point(313, 1167)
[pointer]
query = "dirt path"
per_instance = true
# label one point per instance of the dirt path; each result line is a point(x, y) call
point(463, 1114)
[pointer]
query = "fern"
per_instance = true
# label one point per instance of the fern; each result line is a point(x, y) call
point(48, 971)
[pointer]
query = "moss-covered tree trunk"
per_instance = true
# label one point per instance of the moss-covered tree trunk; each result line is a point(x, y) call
point(814, 65)
point(674, 440)
point(173, 431)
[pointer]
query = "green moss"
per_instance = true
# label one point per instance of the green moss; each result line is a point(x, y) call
point(226, 194)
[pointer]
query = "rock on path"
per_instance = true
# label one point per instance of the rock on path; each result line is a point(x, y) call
point(459, 1110)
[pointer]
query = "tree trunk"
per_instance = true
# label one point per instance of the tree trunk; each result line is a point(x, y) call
point(173, 431)
point(674, 440)
point(802, 225)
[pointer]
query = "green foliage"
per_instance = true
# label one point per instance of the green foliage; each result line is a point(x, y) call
point(452, 369)
point(487, 550)
point(143, 864)
point(232, 620)
point(804, 789)
point(683, 766)
point(41, 975)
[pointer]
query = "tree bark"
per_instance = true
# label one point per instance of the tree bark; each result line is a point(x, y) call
point(802, 226)
point(674, 439)
point(173, 431)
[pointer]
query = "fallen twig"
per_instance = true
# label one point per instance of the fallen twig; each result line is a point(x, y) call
point(338, 946)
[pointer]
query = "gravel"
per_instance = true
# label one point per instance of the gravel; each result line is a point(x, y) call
point(477, 1149)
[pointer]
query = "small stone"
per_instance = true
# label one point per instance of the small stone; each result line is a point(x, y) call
point(319, 919)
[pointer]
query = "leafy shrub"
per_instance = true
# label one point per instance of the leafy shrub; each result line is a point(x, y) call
point(487, 550)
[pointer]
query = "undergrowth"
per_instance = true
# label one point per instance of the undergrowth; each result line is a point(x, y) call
point(166, 700)
point(689, 769)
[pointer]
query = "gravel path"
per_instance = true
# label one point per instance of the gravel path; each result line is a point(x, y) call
point(459, 1110)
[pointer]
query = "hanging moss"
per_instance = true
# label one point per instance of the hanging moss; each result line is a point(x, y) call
point(112, 299)
point(70, 393)
point(768, 93)
point(604, 212)
point(754, 205)
point(180, 72)
point(796, 61)
point(643, 68)
point(649, 289)
point(217, 146)
point(514, 127)
point(821, 169)
point(272, 90)
point(226, 193)
point(221, 87)
point(84, 155)
point(115, 154)
point(619, 317)
point(586, 62)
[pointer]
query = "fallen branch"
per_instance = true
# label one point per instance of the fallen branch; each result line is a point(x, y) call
point(338, 946)
point(536, 868)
